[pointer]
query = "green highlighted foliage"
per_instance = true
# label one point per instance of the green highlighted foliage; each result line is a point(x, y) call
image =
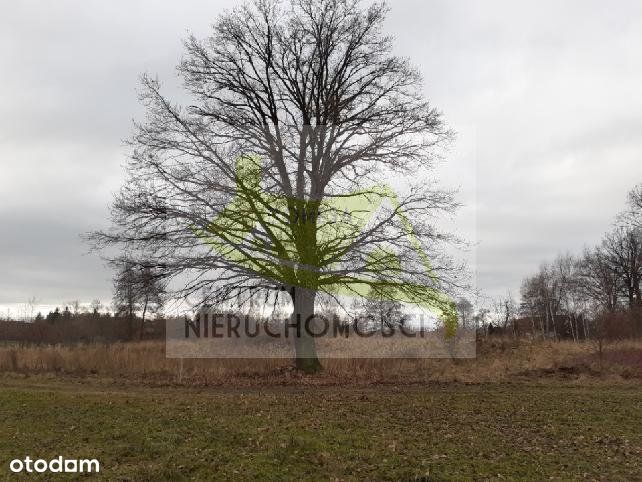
point(316, 244)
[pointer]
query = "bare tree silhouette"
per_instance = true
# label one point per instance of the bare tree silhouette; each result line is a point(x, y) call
point(312, 91)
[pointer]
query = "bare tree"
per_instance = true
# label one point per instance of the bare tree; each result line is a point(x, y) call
point(76, 306)
point(29, 308)
point(137, 290)
point(572, 304)
point(152, 289)
point(126, 297)
point(310, 96)
point(465, 311)
point(481, 320)
point(623, 250)
point(96, 305)
point(635, 199)
point(538, 299)
point(597, 282)
point(594, 291)
point(505, 309)
point(556, 297)
point(632, 215)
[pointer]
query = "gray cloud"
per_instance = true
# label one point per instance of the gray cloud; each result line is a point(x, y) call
point(551, 92)
point(545, 97)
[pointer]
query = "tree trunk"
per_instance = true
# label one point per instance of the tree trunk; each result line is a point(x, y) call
point(550, 307)
point(141, 334)
point(541, 325)
point(574, 330)
point(131, 315)
point(302, 317)
point(636, 290)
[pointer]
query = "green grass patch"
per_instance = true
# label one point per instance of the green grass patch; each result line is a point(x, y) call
point(434, 432)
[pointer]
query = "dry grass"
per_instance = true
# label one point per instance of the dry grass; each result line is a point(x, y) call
point(498, 359)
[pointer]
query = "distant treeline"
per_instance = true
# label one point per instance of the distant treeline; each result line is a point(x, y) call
point(67, 327)
point(596, 294)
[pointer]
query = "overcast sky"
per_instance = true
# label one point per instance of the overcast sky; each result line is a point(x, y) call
point(546, 98)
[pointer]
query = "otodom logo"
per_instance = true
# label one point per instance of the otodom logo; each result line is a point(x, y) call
point(56, 465)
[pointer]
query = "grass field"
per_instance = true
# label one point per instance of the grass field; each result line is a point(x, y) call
point(427, 432)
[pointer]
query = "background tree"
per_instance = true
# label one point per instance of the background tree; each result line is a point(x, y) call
point(466, 312)
point(505, 312)
point(137, 290)
point(29, 308)
point(597, 282)
point(96, 305)
point(623, 250)
point(152, 289)
point(126, 296)
point(53, 316)
point(313, 91)
point(632, 215)
point(384, 311)
point(76, 306)
point(598, 294)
